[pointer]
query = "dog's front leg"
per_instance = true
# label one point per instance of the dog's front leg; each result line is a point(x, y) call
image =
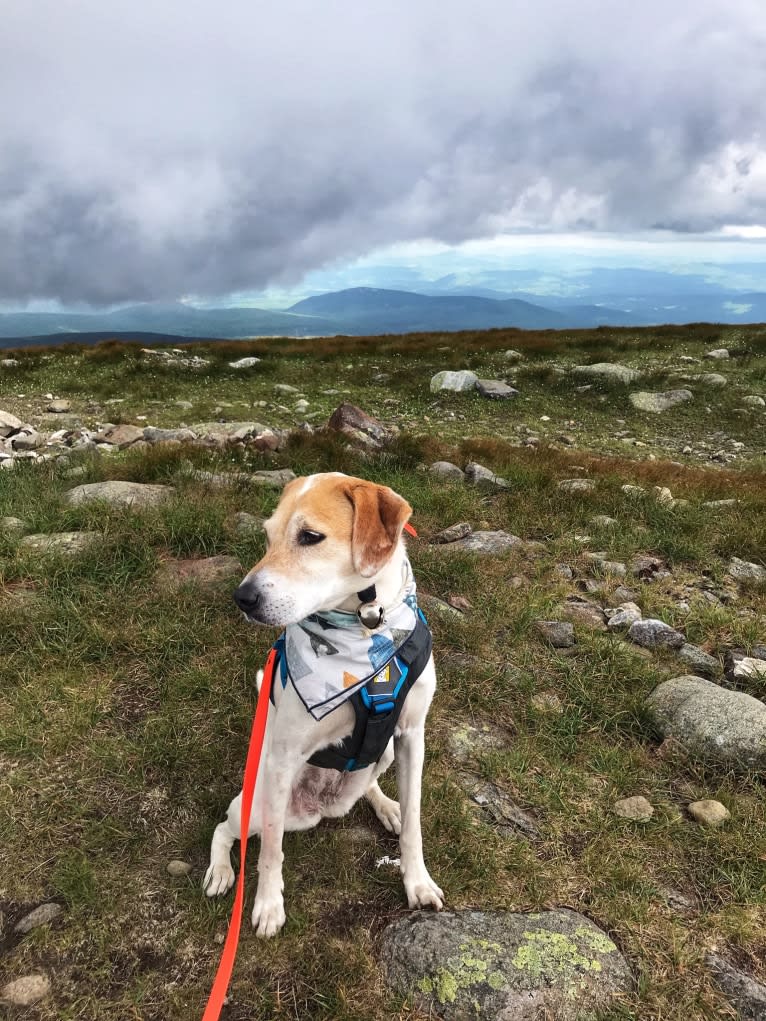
point(409, 752)
point(281, 770)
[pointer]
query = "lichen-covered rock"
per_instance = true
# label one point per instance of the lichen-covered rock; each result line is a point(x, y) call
point(498, 964)
point(485, 542)
point(577, 485)
point(658, 402)
point(452, 533)
point(653, 634)
point(60, 542)
point(120, 494)
point(743, 570)
point(746, 995)
point(583, 611)
point(457, 381)
point(699, 660)
point(484, 478)
point(710, 721)
point(446, 470)
point(558, 633)
point(612, 371)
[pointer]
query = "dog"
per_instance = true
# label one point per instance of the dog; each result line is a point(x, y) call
point(333, 543)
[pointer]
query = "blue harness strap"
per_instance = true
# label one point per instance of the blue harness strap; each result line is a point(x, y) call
point(377, 706)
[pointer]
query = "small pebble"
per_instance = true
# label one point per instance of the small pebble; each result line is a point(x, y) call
point(636, 808)
point(709, 813)
point(178, 868)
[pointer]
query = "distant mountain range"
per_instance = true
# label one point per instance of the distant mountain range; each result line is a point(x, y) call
point(609, 297)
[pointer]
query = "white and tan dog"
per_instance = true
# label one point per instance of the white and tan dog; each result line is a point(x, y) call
point(330, 537)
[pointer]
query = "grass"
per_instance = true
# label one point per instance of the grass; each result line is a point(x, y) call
point(125, 705)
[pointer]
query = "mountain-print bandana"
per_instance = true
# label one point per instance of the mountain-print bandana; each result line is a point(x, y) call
point(331, 655)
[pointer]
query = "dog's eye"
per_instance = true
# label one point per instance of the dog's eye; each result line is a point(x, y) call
point(307, 537)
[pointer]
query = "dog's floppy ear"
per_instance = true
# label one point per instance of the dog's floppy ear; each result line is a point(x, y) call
point(379, 517)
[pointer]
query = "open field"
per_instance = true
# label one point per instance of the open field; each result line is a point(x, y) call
point(127, 694)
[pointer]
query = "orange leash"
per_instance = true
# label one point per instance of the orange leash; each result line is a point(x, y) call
point(226, 966)
point(229, 953)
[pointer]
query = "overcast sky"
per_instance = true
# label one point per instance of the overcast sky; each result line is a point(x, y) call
point(174, 148)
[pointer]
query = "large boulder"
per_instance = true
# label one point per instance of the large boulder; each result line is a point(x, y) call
point(608, 370)
point(712, 722)
point(9, 424)
point(499, 964)
point(459, 381)
point(120, 494)
point(657, 402)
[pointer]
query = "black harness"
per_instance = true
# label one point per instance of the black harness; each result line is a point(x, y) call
point(377, 705)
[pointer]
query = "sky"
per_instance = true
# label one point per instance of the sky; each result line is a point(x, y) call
point(198, 150)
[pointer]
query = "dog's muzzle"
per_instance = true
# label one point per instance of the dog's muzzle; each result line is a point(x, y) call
point(248, 599)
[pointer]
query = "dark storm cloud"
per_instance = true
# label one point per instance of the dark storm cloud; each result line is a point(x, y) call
point(153, 151)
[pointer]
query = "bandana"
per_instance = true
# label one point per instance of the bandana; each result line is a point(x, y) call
point(332, 655)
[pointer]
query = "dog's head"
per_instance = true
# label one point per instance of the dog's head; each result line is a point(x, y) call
point(329, 535)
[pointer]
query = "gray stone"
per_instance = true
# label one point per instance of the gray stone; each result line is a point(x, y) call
point(222, 433)
point(154, 435)
point(709, 813)
point(744, 993)
point(28, 439)
point(483, 478)
point(710, 721)
point(743, 570)
point(60, 542)
point(59, 407)
point(351, 420)
point(202, 571)
point(559, 634)
point(657, 402)
point(608, 370)
point(432, 604)
point(120, 436)
point(700, 662)
point(603, 521)
point(466, 741)
point(623, 616)
point(577, 485)
point(547, 702)
point(495, 389)
point(636, 808)
point(12, 526)
point(653, 634)
point(276, 479)
point(747, 668)
point(488, 965)
point(717, 354)
point(754, 401)
point(459, 381)
point(503, 812)
point(485, 542)
point(245, 523)
point(646, 567)
point(42, 915)
point(120, 494)
point(512, 356)
point(244, 363)
point(25, 991)
point(178, 869)
point(453, 533)
point(446, 470)
point(9, 424)
point(285, 388)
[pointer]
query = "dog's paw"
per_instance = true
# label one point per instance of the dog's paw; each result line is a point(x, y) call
point(422, 892)
point(390, 814)
point(268, 916)
point(218, 879)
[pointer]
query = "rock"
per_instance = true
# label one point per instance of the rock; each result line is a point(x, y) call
point(446, 470)
point(277, 478)
point(154, 435)
point(12, 526)
point(717, 354)
point(244, 363)
point(485, 542)
point(453, 533)
point(754, 401)
point(224, 433)
point(9, 424)
point(559, 634)
point(699, 660)
point(455, 381)
point(60, 542)
point(9, 363)
point(120, 494)
point(622, 594)
point(432, 604)
point(244, 522)
point(746, 995)
point(301, 407)
point(583, 611)
point(176, 868)
point(466, 741)
point(504, 814)
point(120, 436)
point(636, 809)
point(653, 634)
point(27, 439)
point(23, 992)
point(42, 915)
point(495, 389)
point(745, 668)
point(743, 570)
point(629, 490)
point(679, 901)
point(603, 566)
point(59, 407)
point(285, 388)
point(483, 478)
point(576, 485)
point(664, 496)
point(603, 521)
point(459, 602)
point(709, 813)
point(487, 965)
point(657, 402)
point(547, 702)
point(608, 370)
point(512, 356)
point(709, 378)
point(623, 616)
point(645, 567)
point(710, 721)
point(349, 419)
point(203, 571)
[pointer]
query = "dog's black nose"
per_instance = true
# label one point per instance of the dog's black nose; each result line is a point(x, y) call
point(247, 598)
